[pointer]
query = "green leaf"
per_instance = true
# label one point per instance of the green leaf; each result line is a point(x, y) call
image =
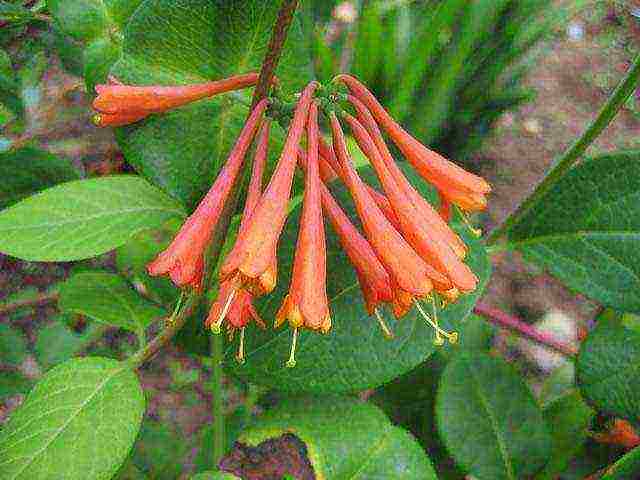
point(14, 13)
point(345, 439)
point(12, 383)
point(354, 355)
point(626, 468)
point(569, 419)
point(83, 218)
point(196, 41)
point(89, 19)
point(586, 230)
point(609, 370)
point(214, 476)
point(57, 343)
point(13, 345)
point(30, 170)
point(108, 298)
point(93, 404)
point(489, 419)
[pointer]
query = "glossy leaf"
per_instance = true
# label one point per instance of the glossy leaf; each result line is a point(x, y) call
point(569, 419)
point(30, 170)
point(94, 404)
point(608, 370)
point(179, 42)
point(354, 355)
point(626, 468)
point(108, 298)
point(13, 345)
point(489, 419)
point(83, 218)
point(586, 230)
point(345, 439)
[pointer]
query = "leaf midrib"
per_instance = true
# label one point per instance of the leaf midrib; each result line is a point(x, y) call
point(494, 425)
point(69, 420)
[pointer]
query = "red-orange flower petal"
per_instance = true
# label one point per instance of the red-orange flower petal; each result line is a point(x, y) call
point(429, 215)
point(403, 264)
point(255, 247)
point(183, 259)
point(134, 99)
point(306, 304)
point(429, 245)
point(431, 165)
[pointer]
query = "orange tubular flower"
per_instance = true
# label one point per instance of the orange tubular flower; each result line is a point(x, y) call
point(443, 174)
point(429, 244)
point(183, 260)
point(405, 267)
point(119, 104)
point(306, 304)
point(255, 248)
point(429, 215)
point(234, 303)
point(327, 153)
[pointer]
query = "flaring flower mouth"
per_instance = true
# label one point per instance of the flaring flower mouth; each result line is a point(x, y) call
point(406, 257)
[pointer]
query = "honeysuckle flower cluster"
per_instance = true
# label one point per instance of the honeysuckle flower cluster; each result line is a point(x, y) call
point(406, 255)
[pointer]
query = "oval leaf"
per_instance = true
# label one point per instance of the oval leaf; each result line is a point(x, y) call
point(83, 218)
point(354, 355)
point(78, 422)
point(30, 170)
point(626, 468)
point(586, 230)
point(108, 298)
point(196, 41)
point(489, 419)
point(345, 439)
point(609, 370)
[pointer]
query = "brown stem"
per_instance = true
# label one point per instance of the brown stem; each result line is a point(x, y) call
point(38, 301)
point(274, 50)
point(502, 319)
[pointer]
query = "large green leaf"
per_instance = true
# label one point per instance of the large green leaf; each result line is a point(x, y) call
point(586, 230)
point(354, 355)
point(569, 418)
point(83, 218)
point(78, 422)
point(29, 170)
point(189, 41)
point(609, 370)
point(345, 439)
point(489, 419)
point(108, 298)
point(626, 468)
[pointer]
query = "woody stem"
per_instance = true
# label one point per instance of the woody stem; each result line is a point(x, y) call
point(503, 320)
point(571, 156)
point(274, 50)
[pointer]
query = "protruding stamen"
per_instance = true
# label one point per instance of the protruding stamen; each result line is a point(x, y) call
point(216, 327)
point(292, 356)
point(176, 310)
point(475, 231)
point(439, 332)
point(240, 354)
point(383, 325)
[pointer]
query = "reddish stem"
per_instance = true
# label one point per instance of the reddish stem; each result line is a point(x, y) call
point(504, 320)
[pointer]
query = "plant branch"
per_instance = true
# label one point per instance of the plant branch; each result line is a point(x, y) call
point(174, 324)
point(38, 301)
point(571, 156)
point(503, 320)
point(274, 50)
